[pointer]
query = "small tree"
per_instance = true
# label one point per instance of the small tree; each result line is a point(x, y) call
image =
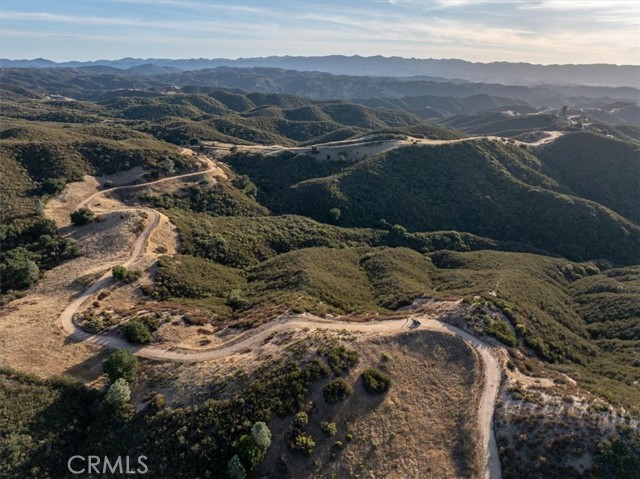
point(121, 364)
point(336, 390)
point(18, 270)
point(235, 469)
point(125, 275)
point(118, 393)
point(375, 381)
point(53, 186)
point(261, 434)
point(136, 332)
point(249, 452)
point(315, 150)
point(83, 216)
point(303, 443)
point(334, 214)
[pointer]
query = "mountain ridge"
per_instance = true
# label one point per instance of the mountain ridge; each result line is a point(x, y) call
point(508, 72)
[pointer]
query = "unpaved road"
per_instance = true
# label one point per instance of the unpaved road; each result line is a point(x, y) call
point(254, 338)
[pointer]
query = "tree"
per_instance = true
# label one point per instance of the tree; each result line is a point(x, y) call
point(334, 214)
point(329, 428)
point(136, 332)
point(53, 186)
point(249, 452)
point(375, 381)
point(235, 469)
point(125, 275)
point(336, 390)
point(261, 434)
point(314, 150)
point(18, 270)
point(82, 216)
point(121, 364)
point(118, 393)
point(301, 419)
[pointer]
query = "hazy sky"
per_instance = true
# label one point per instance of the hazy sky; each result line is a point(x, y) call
point(536, 31)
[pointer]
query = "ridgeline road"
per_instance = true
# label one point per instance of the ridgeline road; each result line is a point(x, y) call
point(256, 337)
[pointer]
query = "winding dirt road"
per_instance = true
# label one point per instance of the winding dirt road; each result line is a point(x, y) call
point(256, 337)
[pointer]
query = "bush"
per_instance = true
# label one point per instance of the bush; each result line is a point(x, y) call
point(108, 184)
point(119, 393)
point(303, 443)
point(125, 275)
point(301, 420)
point(248, 452)
point(121, 364)
point(336, 390)
point(93, 325)
point(18, 270)
point(329, 428)
point(235, 469)
point(317, 369)
point(502, 332)
point(261, 434)
point(136, 332)
point(375, 381)
point(83, 216)
point(53, 186)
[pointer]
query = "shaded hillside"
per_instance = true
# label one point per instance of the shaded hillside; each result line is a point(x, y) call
point(481, 187)
point(598, 168)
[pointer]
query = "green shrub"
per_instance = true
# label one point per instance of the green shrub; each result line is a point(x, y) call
point(235, 469)
point(136, 332)
point(502, 332)
point(120, 273)
point(303, 443)
point(93, 325)
point(249, 452)
point(118, 393)
point(82, 216)
point(121, 364)
point(375, 381)
point(53, 186)
point(301, 420)
point(336, 390)
point(261, 434)
point(329, 428)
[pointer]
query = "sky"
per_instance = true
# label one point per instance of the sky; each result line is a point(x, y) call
point(534, 31)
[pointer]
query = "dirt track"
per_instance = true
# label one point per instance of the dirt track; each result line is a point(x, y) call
point(255, 338)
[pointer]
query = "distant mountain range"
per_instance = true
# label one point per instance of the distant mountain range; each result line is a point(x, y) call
point(446, 69)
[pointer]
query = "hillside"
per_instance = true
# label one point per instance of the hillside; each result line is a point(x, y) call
point(601, 169)
point(481, 187)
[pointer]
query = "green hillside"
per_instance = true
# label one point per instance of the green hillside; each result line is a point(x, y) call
point(481, 187)
point(601, 169)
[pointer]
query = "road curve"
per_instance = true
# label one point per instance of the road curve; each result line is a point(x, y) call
point(256, 337)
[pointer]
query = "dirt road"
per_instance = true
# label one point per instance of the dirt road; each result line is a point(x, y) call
point(255, 338)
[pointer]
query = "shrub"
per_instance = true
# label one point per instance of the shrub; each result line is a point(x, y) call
point(317, 369)
point(375, 381)
point(301, 420)
point(18, 270)
point(94, 325)
point(83, 216)
point(118, 393)
point(136, 332)
point(53, 186)
point(329, 428)
point(235, 469)
point(121, 364)
point(108, 184)
point(248, 452)
point(303, 443)
point(336, 390)
point(261, 434)
point(125, 275)
point(502, 332)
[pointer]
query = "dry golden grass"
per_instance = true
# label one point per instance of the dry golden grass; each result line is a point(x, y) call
point(424, 427)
